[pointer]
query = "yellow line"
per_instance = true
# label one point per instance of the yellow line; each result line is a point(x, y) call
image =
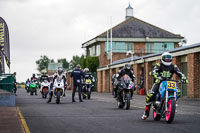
point(23, 121)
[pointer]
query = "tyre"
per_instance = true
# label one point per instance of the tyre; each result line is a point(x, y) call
point(31, 92)
point(58, 97)
point(120, 104)
point(156, 116)
point(45, 95)
point(170, 113)
point(88, 94)
point(84, 95)
point(127, 101)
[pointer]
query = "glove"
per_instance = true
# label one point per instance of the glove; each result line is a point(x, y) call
point(158, 79)
point(184, 80)
point(179, 93)
point(149, 97)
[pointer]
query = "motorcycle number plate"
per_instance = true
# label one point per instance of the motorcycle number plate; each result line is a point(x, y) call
point(171, 84)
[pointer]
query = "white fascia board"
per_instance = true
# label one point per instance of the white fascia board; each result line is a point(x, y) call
point(130, 40)
point(89, 43)
point(140, 39)
point(185, 52)
point(103, 68)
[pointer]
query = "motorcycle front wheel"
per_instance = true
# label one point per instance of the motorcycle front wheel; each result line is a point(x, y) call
point(127, 101)
point(58, 97)
point(170, 113)
point(88, 94)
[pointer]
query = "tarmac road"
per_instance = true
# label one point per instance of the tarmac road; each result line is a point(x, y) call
point(101, 115)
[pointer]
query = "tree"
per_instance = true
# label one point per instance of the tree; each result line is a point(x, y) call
point(42, 63)
point(64, 62)
point(92, 63)
point(75, 61)
point(83, 62)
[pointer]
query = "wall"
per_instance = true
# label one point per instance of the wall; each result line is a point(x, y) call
point(193, 75)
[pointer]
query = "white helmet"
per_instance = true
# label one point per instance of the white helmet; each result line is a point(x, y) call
point(166, 58)
point(86, 70)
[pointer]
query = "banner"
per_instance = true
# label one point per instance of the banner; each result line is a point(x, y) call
point(2, 69)
point(4, 41)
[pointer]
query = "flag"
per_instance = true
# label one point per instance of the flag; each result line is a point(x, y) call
point(4, 41)
point(2, 70)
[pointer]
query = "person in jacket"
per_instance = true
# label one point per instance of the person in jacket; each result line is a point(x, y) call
point(162, 71)
point(77, 75)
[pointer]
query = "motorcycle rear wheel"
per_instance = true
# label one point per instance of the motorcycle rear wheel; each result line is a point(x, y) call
point(171, 107)
point(156, 116)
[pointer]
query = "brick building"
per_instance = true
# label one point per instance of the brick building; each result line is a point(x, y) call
point(187, 58)
point(133, 34)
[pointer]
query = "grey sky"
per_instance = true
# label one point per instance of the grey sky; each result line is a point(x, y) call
point(57, 28)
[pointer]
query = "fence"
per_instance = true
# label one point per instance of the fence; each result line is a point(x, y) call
point(7, 82)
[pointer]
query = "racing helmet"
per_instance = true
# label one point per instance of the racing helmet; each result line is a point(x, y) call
point(44, 72)
point(127, 67)
point(60, 70)
point(86, 70)
point(166, 58)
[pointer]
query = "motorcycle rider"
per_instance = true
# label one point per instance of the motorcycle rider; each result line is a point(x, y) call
point(43, 77)
point(57, 74)
point(125, 70)
point(33, 78)
point(88, 75)
point(162, 71)
point(27, 83)
point(77, 75)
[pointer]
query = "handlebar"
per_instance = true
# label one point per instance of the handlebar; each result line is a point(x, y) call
point(179, 81)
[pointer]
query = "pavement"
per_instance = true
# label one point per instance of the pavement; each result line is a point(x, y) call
point(10, 121)
point(100, 115)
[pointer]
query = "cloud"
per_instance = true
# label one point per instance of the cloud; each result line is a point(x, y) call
point(57, 28)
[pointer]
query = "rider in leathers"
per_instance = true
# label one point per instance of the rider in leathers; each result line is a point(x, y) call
point(57, 74)
point(43, 77)
point(125, 70)
point(162, 71)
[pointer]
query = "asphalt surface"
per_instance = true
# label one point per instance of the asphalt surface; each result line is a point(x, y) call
point(101, 115)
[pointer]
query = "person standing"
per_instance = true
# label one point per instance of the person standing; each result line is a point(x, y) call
point(77, 75)
point(15, 84)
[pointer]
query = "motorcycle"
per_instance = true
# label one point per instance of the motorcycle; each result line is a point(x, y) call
point(124, 92)
point(58, 89)
point(33, 87)
point(27, 87)
point(44, 89)
point(87, 88)
point(165, 104)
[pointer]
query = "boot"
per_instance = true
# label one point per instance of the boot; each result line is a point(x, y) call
point(51, 94)
point(49, 100)
point(146, 113)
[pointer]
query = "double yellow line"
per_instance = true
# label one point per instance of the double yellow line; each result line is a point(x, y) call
point(25, 126)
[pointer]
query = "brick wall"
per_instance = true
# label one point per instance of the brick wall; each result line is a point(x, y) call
point(148, 78)
point(139, 48)
point(119, 56)
point(137, 68)
point(193, 75)
point(103, 57)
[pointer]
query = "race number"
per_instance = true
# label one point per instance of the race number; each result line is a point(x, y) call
point(171, 84)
